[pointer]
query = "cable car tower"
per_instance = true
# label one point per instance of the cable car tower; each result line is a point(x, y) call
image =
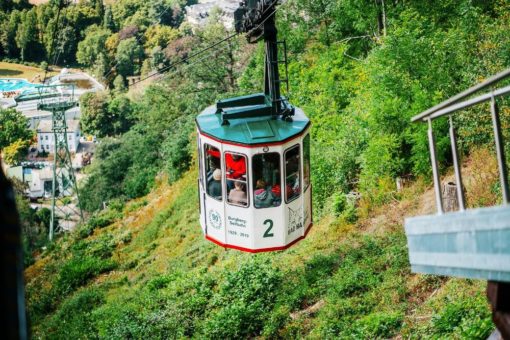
point(254, 155)
point(58, 99)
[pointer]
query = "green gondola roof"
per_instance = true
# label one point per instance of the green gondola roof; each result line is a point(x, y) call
point(251, 131)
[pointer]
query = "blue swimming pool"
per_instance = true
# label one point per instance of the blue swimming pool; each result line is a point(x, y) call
point(14, 84)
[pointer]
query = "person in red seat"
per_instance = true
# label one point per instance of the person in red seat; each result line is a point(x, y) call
point(276, 190)
point(236, 165)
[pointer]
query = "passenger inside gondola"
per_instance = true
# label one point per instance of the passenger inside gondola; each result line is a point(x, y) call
point(292, 174)
point(236, 179)
point(238, 194)
point(264, 196)
point(236, 165)
point(266, 173)
point(213, 172)
point(214, 185)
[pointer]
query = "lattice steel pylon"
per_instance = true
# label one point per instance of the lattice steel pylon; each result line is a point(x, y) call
point(58, 99)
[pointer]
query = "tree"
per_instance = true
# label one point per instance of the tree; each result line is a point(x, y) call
point(93, 45)
point(176, 150)
point(13, 128)
point(119, 84)
point(66, 45)
point(159, 36)
point(101, 67)
point(9, 34)
point(129, 57)
point(14, 153)
point(108, 21)
point(102, 116)
point(129, 31)
point(27, 36)
point(9, 5)
point(94, 110)
point(121, 113)
point(222, 69)
point(44, 216)
point(157, 59)
point(99, 7)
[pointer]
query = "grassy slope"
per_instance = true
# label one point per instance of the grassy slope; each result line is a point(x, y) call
point(151, 274)
point(10, 70)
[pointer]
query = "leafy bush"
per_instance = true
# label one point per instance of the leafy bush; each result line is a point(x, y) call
point(379, 325)
point(344, 207)
point(78, 271)
point(77, 315)
point(244, 301)
point(134, 206)
point(102, 247)
point(159, 282)
point(101, 220)
point(449, 318)
point(176, 150)
point(319, 267)
point(471, 318)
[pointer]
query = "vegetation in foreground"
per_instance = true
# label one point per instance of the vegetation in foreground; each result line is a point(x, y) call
point(144, 271)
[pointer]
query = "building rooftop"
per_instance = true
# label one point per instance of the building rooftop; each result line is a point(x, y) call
point(43, 174)
point(45, 126)
point(199, 14)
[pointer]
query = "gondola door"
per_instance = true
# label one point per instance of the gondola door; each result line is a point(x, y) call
point(293, 193)
point(201, 185)
point(214, 211)
point(238, 214)
point(269, 226)
point(307, 185)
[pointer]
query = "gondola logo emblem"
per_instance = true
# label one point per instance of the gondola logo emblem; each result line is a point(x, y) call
point(295, 220)
point(215, 219)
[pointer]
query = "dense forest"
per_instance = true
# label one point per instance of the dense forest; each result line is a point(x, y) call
point(120, 39)
point(359, 79)
point(360, 70)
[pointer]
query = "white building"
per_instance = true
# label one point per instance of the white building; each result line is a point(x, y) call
point(45, 137)
point(198, 15)
point(41, 183)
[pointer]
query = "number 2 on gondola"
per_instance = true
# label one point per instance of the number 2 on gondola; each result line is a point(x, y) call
point(268, 232)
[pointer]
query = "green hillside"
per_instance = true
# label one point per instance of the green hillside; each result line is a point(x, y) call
point(141, 268)
point(145, 271)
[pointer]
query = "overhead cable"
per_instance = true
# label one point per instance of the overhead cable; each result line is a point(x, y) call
point(52, 45)
point(183, 60)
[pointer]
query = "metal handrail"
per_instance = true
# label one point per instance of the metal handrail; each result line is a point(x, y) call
point(454, 104)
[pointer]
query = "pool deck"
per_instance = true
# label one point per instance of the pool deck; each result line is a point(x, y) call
point(29, 107)
point(10, 70)
point(8, 93)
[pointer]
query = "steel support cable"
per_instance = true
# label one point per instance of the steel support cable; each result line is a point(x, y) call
point(183, 60)
point(52, 45)
point(174, 71)
point(61, 35)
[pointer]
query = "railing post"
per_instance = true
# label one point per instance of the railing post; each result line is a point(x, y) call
point(500, 151)
point(458, 173)
point(435, 170)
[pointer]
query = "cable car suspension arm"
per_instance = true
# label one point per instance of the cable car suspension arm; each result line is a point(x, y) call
point(256, 18)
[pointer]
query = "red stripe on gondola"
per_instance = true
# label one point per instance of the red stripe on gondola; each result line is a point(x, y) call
point(262, 249)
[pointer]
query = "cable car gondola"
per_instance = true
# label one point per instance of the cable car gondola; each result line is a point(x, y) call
point(254, 152)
